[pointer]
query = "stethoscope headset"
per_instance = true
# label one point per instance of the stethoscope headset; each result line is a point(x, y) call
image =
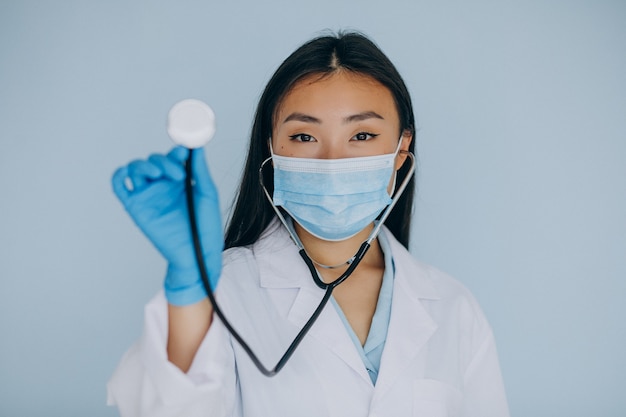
point(191, 124)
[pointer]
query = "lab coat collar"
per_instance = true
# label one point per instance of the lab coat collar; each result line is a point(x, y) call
point(410, 325)
point(276, 255)
point(276, 252)
point(328, 330)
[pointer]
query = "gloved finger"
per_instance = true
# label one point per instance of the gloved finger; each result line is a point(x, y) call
point(178, 154)
point(169, 166)
point(203, 180)
point(141, 173)
point(120, 187)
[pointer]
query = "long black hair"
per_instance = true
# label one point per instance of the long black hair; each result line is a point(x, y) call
point(323, 55)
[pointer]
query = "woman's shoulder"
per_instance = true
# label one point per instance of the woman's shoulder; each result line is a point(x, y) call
point(273, 239)
point(427, 281)
point(274, 253)
point(272, 262)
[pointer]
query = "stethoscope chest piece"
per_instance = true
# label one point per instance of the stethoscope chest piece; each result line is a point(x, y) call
point(191, 123)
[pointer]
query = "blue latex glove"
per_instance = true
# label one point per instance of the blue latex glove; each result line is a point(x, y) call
point(153, 193)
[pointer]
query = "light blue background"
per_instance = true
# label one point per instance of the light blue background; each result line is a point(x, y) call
point(522, 181)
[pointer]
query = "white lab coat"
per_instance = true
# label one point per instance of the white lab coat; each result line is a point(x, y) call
point(439, 359)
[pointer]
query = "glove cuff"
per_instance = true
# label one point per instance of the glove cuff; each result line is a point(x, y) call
point(179, 294)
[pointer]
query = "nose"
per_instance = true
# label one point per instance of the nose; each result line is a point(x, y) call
point(332, 150)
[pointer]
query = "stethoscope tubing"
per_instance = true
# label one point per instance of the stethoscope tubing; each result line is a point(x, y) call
point(327, 287)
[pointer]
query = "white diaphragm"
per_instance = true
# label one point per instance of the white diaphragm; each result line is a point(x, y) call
point(191, 123)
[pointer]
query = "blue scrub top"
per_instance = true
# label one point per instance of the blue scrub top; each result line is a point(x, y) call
point(372, 351)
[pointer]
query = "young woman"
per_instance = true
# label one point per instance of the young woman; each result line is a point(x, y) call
point(330, 148)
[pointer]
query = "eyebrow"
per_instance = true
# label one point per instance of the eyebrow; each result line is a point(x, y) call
point(363, 116)
point(301, 117)
point(359, 117)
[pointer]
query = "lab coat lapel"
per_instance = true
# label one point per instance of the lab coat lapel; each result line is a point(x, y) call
point(410, 325)
point(328, 330)
point(282, 269)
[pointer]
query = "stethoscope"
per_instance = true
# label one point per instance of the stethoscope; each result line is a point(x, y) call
point(191, 123)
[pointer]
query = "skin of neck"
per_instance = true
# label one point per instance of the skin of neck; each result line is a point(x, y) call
point(334, 253)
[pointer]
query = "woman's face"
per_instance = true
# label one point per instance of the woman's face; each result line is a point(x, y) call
point(343, 115)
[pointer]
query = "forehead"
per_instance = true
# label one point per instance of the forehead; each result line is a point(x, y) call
point(339, 92)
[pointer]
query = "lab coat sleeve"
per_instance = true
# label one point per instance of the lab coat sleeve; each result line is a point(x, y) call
point(145, 383)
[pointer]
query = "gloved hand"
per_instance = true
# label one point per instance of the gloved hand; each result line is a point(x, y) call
point(153, 193)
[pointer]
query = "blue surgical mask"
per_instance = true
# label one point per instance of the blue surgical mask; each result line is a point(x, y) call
point(333, 199)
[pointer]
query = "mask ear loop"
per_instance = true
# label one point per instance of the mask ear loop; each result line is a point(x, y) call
point(282, 219)
point(327, 287)
point(395, 173)
point(373, 234)
point(279, 214)
point(396, 196)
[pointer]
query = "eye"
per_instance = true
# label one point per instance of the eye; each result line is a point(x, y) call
point(363, 136)
point(302, 137)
